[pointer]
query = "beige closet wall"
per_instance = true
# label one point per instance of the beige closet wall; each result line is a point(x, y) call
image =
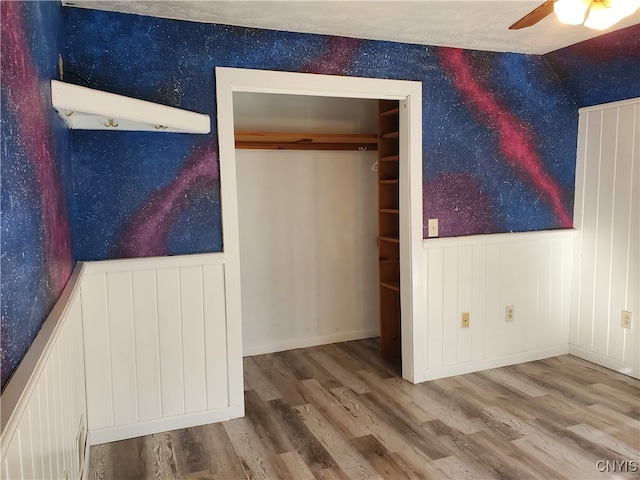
point(308, 226)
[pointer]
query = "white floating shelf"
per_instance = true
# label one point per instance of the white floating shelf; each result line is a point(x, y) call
point(83, 108)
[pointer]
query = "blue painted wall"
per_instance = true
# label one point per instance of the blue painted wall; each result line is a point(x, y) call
point(494, 157)
point(36, 257)
point(601, 70)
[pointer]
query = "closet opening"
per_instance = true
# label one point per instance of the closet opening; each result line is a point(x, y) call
point(307, 186)
point(407, 208)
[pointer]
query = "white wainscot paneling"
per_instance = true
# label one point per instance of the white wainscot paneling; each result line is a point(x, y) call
point(607, 247)
point(484, 274)
point(157, 356)
point(43, 405)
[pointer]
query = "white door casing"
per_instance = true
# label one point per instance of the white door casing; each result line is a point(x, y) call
point(409, 93)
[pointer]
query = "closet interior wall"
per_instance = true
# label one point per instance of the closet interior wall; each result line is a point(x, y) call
point(308, 226)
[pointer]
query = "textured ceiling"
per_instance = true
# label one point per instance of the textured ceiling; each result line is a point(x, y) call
point(473, 24)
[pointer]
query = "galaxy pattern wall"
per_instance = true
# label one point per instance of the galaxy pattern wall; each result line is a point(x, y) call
point(601, 70)
point(499, 130)
point(36, 233)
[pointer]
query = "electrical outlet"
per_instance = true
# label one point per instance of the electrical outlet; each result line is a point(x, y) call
point(509, 314)
point(433, 227)
point(626, 319)
point(465, 320)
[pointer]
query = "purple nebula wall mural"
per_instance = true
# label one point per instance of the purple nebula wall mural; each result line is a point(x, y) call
point(36, 235)
point(516, 140)
point(147, 232)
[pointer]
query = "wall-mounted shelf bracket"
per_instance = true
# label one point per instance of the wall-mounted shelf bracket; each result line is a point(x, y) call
point(84, 108)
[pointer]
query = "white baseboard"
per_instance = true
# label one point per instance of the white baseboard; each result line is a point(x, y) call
point(469, 367)
point(148, 427)
point(251, 350)
point(604, 361)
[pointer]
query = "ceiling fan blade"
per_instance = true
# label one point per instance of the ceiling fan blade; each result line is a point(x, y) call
point(534, 16)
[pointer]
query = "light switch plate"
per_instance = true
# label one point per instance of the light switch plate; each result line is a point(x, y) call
point(433, 227)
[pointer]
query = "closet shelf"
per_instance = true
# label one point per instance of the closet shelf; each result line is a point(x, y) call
point(390, 158)
point(391, 181)
point(391, 135)
point(305, 141)
point(390, 239)
point(393, 285)
point(389, 210)
point(392, 111)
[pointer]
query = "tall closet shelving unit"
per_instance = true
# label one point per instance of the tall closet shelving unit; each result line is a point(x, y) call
point(389, 228)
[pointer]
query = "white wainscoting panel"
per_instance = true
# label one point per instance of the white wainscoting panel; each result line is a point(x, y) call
point(155, 332)
point(43, 404)
point(607, 217)
point(482, 275)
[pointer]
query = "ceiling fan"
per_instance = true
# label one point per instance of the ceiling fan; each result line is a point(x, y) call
point(601, 13)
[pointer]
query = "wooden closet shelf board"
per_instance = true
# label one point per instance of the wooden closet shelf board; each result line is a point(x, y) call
point(305, 141)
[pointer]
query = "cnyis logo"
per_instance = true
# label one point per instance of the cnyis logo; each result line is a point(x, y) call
point(611, 466)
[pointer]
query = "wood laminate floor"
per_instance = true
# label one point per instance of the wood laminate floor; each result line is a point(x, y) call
point(339, 411)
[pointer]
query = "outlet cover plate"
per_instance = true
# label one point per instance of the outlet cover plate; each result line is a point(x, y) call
point(626, 319)
point(509, 314)
point(465, 320)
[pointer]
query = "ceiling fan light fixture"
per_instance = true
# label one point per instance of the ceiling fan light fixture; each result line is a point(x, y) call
point(603, 15)
point(571, 12)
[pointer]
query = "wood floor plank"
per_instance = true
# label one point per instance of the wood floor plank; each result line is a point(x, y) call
point(417, 411)
point(516, 381)
point(131, 459)
point(616, 396)
point(313, 369)
point(349, 460)
point(256, 380)
point(101, 461)
point(332, 409)
point(162, 455)
point(370, 350)
point(264, 422)
point(455, 468)
point(279, 372)
point(194, 458)
point(454, 411)
point(225, 461)
point(304, 442)
point(390, 413)
point(258, 464)
point(341, 412)
point(564, 463)
point(341, 374)
point(385, 463)
point(416, 462)
point(296, 466)
point(601, 438)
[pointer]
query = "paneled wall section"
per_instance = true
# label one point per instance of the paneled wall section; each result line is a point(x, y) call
point(156, 345)
point(607, 206)
point(482, 275)
point(43, 404)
